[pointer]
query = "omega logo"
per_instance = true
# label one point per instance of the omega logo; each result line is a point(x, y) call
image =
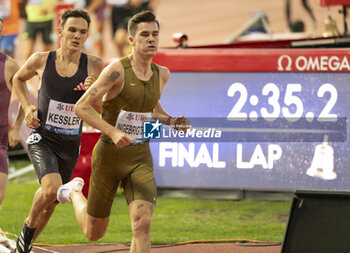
point(313, 63)
point(284, 59)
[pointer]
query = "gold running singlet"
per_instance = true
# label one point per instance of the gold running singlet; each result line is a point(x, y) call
point(132, 164)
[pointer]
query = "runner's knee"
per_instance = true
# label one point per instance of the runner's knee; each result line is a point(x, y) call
point(50, 193)
point(141, 225)
point(95, 228)
point(94, 235)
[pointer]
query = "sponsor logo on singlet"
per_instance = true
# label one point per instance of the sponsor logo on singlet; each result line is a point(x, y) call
point(132, 123)
point(61, 118)
point(80, 86)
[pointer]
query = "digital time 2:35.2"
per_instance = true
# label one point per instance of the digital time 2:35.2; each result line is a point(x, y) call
point(290, 107)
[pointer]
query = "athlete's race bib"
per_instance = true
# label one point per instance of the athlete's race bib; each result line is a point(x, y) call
point(132, 123)
point(61, 118)
point(5, 9)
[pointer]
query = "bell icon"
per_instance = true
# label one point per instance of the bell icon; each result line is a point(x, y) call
point(323, 162)
point(331, 29)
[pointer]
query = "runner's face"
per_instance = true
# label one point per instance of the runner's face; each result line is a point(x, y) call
point(74, 33)
point(146, 39)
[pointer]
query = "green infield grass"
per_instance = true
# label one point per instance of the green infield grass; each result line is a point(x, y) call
point(174, 220)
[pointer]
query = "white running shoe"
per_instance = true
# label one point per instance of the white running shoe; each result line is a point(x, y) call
point(63, 193)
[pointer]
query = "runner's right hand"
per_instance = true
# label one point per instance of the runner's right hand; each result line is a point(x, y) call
point(121, 139)
point(31, 120)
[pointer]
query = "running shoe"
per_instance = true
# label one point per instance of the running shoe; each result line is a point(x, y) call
point(63, 193)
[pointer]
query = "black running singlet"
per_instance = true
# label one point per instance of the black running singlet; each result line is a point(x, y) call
point(56, 100)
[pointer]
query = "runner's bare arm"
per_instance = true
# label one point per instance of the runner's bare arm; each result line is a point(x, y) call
point(11, 67)
point(178, 123)
point(158, 112)
point(109, 84)
point(14, 133)
point(95, 67)
point(27, 71)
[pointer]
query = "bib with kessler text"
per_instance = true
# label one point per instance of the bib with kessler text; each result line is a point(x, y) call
point(61, 118)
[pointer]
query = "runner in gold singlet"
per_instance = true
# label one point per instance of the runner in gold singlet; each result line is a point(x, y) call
point(131, 88)
point(136, 96)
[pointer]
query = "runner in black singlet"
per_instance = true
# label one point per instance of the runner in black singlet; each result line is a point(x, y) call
point(54, 143)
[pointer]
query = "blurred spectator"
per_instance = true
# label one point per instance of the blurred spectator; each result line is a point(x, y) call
point(78, 4)
point(122, 11)
point(298, 25)
point(40, 15)
point(96, 9)
point(143, 5)
point(10, 14)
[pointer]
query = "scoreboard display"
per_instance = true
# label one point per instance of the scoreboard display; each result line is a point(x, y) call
point(271, 119)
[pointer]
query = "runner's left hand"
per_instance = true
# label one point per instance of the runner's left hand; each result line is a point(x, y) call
point(14, 136)
point(180, 123)
point(89, 81)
